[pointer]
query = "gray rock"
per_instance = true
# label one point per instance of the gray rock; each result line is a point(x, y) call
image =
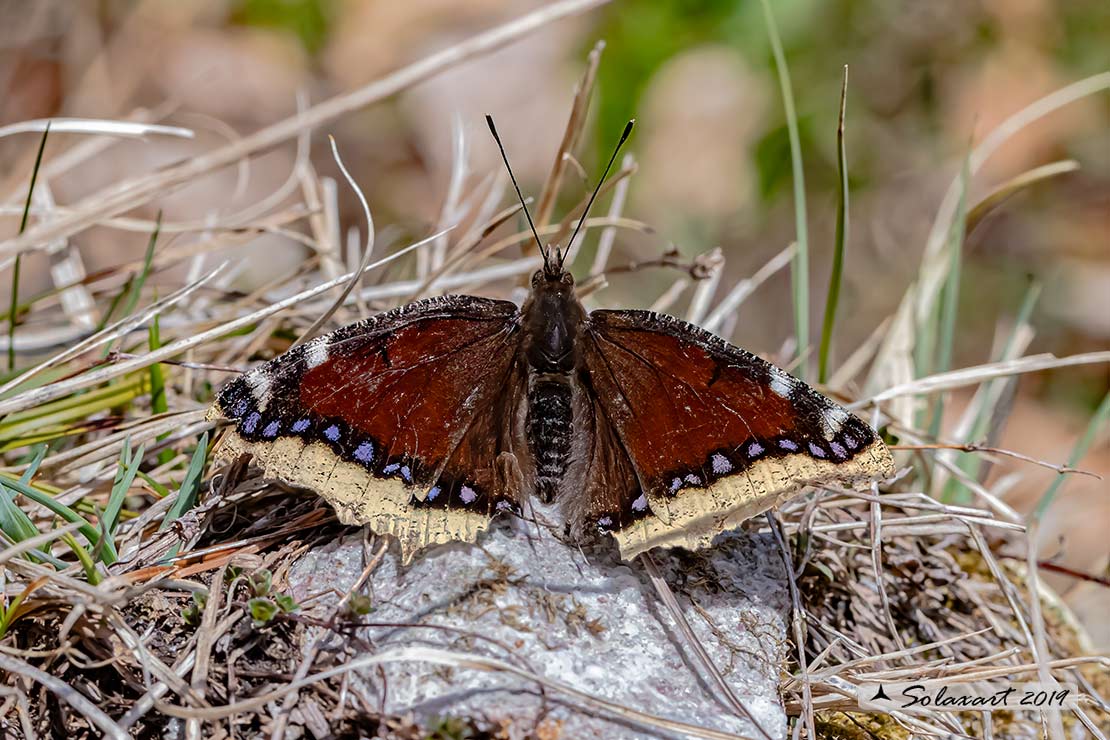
point(577, 617)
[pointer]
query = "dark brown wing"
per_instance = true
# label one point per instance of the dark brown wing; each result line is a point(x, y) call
point(398, 421)
point(715, 434)
point(610, 498)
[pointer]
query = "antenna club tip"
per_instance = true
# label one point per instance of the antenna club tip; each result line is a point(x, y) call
point(628, 128)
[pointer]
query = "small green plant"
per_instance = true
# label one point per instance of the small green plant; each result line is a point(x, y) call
point(261, 582)
point(195, 610)
point(263, 609)
point(359, 605)
point(265, 604)
point(451, 728)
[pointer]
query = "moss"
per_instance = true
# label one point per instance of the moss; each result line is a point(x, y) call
point(858, 726)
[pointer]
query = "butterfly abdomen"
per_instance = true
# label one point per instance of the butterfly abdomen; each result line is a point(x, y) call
point(549, 432)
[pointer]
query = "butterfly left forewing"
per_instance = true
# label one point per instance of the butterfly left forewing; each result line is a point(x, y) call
point(714, 434)
point(382, 418)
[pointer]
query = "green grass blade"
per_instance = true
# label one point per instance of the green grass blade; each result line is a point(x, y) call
point(992, 391)
point(8, 613)
point(800, 266)
point(1101, 415)
point(949, 307)
point(136, 291)
point(160, 489)
point(187, 494)
point(116, 300)
point(125, 476)
point(68, 415)
point(29, 473)
point(17, 526)
point(88, 564)
point(13, 315)
point(144, 273)
point(87, 530)
point(13, 520)
point(841, 239)
point(158, 402)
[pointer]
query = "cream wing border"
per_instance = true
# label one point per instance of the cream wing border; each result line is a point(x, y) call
point(694, 516)
point(358, 497)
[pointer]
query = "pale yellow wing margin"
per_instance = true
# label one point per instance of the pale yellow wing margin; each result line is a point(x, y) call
point(397, 421)
point(714, 434)
point(694, 518)
point(358, 497)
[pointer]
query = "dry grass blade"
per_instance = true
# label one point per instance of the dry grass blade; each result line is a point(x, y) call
point(1040, 641)
point(465, 249)
point(919, 300)
point(453, 660)
point(115, 331)
point(64, 388)
point(616, 208)
point(132, 193)
point(669, 600)
point(1062, 469)
point(797, 616)
point(66, 693)
point(462, 281)
point(740, 292)
point(206, 636)
point(357, 274)
point(1008, 189)
point(573, 132)
point(876, 536)
point(96, 126)
point(703, 294)
point(980, 373)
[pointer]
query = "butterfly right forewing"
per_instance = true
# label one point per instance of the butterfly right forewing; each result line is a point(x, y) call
point(715, 434)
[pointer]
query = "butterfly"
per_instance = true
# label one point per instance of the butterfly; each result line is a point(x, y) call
point(427, 421)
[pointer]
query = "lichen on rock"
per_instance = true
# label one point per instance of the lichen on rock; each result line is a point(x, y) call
point(573, 616)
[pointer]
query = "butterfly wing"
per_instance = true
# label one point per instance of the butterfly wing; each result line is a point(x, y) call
point(403, 421)
point(714, 434)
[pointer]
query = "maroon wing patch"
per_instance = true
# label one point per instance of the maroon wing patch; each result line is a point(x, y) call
point(392, 419)
point(714, 434)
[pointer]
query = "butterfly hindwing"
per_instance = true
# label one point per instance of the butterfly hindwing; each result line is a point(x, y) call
point(388, 418)
point(715, 434)
point(610, 498)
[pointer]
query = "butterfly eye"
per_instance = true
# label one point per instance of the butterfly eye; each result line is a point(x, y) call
point(567, 279)
point(536, 277)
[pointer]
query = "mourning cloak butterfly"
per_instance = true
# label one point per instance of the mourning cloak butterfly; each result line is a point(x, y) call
point(427, 421)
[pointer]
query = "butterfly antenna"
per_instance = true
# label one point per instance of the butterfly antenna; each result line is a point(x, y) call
point(624, 137)
point(493, 130)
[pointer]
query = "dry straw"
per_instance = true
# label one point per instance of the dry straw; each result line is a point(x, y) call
point(100, 525)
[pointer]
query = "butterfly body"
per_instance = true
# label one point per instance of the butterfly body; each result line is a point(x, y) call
point(552, 320)
point(427, 421)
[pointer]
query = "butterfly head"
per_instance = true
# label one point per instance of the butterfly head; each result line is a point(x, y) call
point(552, 277)
point(552, 266)
point(552, 317)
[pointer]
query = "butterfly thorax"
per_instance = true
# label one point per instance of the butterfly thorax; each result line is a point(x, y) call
point(553, 316)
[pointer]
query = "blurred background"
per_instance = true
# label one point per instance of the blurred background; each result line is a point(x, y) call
point(927, 81)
